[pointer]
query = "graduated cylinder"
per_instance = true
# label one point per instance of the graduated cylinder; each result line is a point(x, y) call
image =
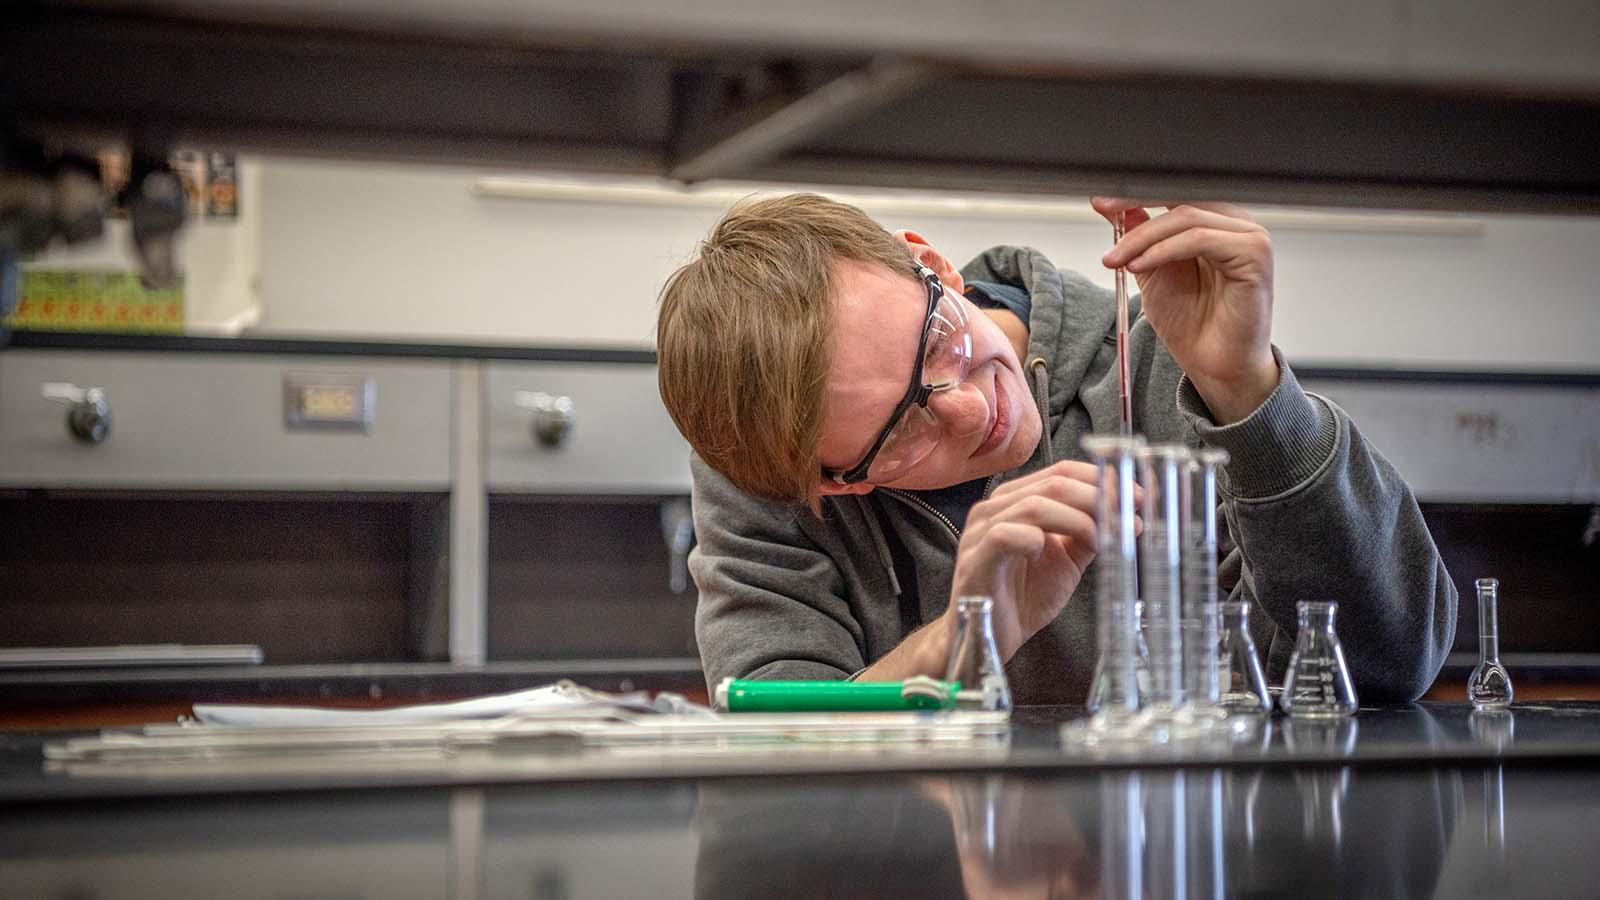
point(1161, 573)
point(1201, 616)
point(1115, 692)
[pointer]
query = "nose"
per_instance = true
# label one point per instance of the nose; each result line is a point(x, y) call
point(962, 411)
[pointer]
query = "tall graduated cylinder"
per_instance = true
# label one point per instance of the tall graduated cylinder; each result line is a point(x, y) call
point(1161, 572)
point(1201, 615)
point(1115, 693)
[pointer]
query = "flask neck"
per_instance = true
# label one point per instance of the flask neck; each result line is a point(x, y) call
point(1317, 617)
point(975, 652)
point(1488, 620)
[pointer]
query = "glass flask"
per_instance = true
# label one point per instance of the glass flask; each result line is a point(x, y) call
point(1161, 573)
point(1242, 685)
point(1490, 684)
point(974, 659)
point(1318, 683)
point(1114, 696)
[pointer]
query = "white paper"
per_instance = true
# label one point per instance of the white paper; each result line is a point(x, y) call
point(551, 699)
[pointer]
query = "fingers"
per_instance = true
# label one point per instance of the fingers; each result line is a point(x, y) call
point(1110, 206)
point(1184, 218)
point(979, 561)
point(1081, 554)
point(1061, 481)
point(1229, 249)
point(1068, 518)
point(1074, 470)
point(1024, 517)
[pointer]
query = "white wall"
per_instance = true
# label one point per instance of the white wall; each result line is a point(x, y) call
point(353, 249)
point(360, 250)
point(356, 250)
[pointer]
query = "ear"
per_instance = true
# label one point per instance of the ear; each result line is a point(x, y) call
point(827, 487)
point(933, 259)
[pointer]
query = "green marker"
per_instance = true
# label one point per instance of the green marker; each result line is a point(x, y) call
point(920, 692)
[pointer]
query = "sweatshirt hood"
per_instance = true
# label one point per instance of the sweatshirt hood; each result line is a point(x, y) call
point(1070, 336)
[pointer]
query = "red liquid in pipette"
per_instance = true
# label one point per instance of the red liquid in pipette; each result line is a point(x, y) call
point(1124, 378)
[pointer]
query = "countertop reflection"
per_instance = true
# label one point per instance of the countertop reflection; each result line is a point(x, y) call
point(1174, 833)
point(1320, 831)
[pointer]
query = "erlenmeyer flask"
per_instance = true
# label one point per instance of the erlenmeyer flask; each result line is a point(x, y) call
point(1318, 684)
point(1242, 684)
point(974, 658)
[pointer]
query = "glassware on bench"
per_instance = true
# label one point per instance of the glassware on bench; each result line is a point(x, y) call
point(1163, 467)
point(974, 658)
point(1490, 684)
point(1242, 686)
point(1318, 684)
point(1114, 695)
point(1202, 618)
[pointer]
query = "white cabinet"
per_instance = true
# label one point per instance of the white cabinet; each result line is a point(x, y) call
point(620, 440)
point(218, 421)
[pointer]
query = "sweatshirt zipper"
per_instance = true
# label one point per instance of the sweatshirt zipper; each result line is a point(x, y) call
point(929, 507)
point(987, 488)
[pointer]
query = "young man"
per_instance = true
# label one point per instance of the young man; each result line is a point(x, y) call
point(876, 432)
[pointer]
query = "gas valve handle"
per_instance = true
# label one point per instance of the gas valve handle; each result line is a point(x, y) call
point(67, 392)
point(88, 413)
point(553, 417)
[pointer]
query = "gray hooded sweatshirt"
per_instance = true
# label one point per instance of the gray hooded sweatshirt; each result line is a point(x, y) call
point(1310, 512)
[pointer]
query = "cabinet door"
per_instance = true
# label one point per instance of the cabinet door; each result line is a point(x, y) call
point(1481, 442)
point(220, 421)
point(620, 441)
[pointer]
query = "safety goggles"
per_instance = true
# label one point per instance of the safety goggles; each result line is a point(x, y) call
point(944, 356)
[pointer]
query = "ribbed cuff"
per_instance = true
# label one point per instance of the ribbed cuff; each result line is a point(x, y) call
point(1279, 447)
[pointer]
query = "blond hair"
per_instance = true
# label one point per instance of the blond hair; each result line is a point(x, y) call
point(744, 337)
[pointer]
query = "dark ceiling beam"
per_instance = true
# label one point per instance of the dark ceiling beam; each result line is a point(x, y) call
point(747, 134)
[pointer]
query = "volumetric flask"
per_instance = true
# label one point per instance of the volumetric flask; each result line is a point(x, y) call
point(974, 658)
point(1241, 683)
point(1318, 684)
point(1115, 696)
point(1163, 467)
point(1490, 684)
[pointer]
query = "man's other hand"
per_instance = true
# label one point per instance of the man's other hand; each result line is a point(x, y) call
point(1027, 546)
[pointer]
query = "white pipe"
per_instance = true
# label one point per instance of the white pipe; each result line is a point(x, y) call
point(960, 206)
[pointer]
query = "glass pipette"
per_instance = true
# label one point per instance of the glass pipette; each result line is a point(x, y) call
point(1125, 379)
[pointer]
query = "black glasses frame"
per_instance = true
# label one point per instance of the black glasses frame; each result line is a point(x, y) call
point(917, 393)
